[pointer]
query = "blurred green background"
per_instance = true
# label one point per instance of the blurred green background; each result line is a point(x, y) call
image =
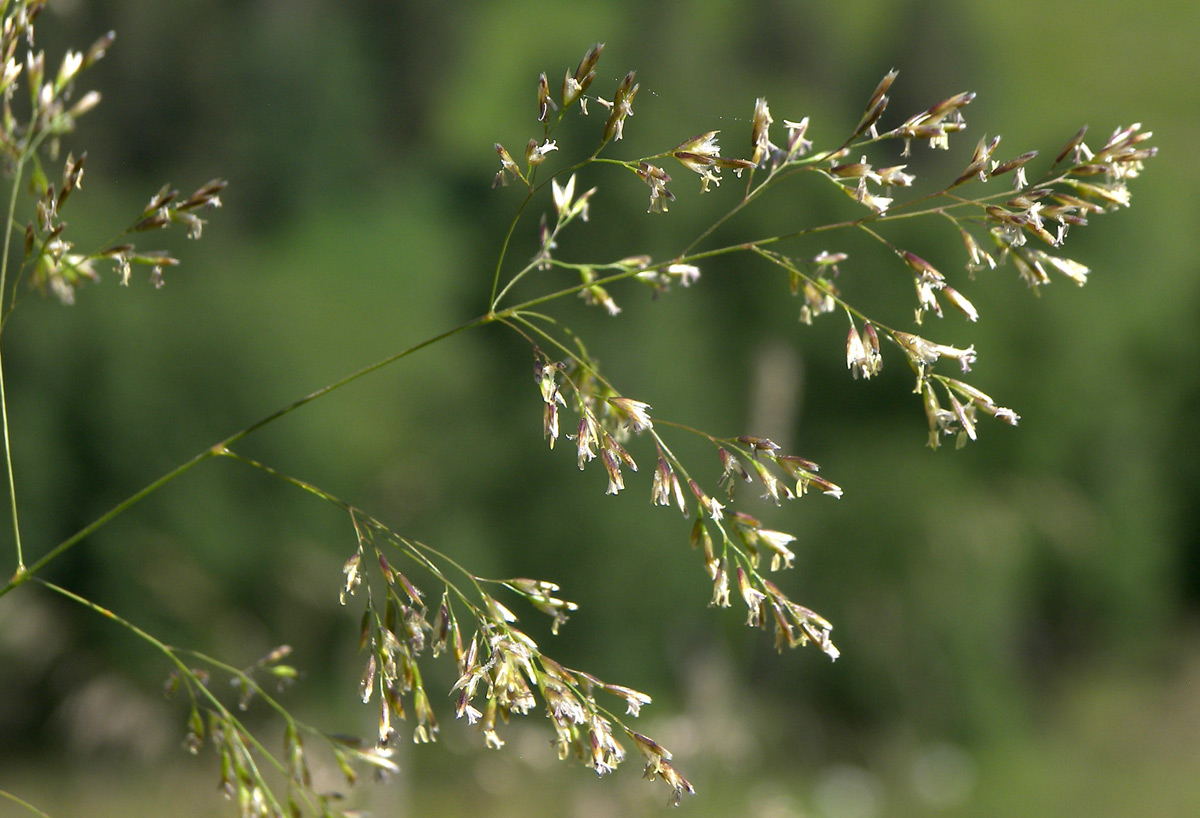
point(1017, 619)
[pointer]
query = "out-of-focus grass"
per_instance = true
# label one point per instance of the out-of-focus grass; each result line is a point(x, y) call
point(1110, 743)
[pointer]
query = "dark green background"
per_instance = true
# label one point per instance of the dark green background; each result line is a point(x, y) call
point(1017, 619)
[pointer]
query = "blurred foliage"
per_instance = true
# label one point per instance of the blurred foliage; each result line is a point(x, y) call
point(970, 590)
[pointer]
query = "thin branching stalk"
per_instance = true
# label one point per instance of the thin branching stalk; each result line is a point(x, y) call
point(196, 686)
point(8, 796)
point(18, 175)
point(220, 447)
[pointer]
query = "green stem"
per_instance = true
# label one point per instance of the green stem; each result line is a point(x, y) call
point(295, 481)
point(18, 173)
point(162, 647)
point(246, 679)
point(497, 293)
point(12, 486)
point(513, 281)
point(21, 803)
point(734, 248)
point(172, 654)
point(414, 547)
point(751, 194)
point(219, 448)
point(159, 645)
point(504, 250)
point(845, 305)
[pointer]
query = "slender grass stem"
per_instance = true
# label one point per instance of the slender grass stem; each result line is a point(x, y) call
point(162, 647)
point(18, 174)
point(219, 448)
point(12, 486)
point(493, 298)
point(413, 548)
point(172, 655)
point(8, 796)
